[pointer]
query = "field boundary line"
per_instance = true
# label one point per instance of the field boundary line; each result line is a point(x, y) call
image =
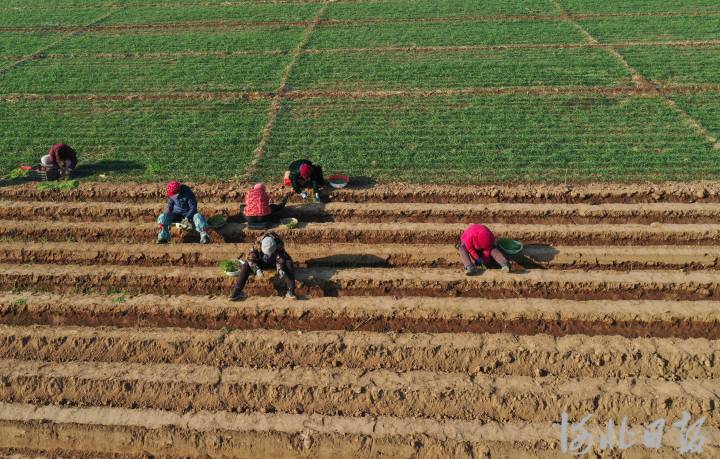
point(39, 53)
point(184, 25)
point(369, 94)
point(276, 104)
point(644, 83)
point(381, 49)
point(150, 55)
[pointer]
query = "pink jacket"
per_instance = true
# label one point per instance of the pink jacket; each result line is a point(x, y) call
point(257, 202)
point(478, 238)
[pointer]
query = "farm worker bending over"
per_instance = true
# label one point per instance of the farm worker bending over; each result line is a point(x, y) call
point(268, 253)
point(60, 156)
point(181, 205)
point(477, 247)
point(304, 174)
point(257, 205)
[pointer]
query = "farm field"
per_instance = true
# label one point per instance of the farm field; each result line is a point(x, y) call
point(523, 91)
point(109, 338)
point(587, 130)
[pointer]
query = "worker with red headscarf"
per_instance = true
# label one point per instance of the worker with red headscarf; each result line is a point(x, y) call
point(258, 208)
point(477, 249)
point(62, 157)
point(304, 174)
point(181, 207)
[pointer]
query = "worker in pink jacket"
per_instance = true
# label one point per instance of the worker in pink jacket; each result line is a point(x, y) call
point(477, 248)
point(258, 208)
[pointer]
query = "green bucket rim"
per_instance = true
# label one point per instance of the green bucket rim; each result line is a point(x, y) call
point(510, 246)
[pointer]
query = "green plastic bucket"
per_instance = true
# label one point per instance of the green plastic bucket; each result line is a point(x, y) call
point(510, 246)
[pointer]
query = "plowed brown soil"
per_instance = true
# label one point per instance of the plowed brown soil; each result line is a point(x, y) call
point(682, 319)
point(591, 193)
point(361, 255)
point(142, 432)
point(497, 354)
point(611, 310)
point(377, 212)
point(379, 233)
point(354, 392)
point(317, 282)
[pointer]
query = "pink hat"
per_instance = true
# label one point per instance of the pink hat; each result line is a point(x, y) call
point(305, 170)
point(259, 186)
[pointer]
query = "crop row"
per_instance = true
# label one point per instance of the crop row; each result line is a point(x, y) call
point(212, 139)
point(339, 36)
point(343, 71)
point(335, 71)
point(95, 75)
point(479, 138)
point(76, 13)
point(676, 65)
point(493, 138)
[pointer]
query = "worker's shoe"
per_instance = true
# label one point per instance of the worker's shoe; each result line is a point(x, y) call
point(506, 268)
point(161, 240)
point(237, 295)
point(291, 295)
point(204, 238)
point(472, 271)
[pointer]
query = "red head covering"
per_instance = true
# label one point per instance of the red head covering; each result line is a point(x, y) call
point(173, 188)
point(305, 171)
point(479, 241)
point(259, 186)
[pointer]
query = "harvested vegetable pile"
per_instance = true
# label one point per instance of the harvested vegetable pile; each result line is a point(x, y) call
point(64, 185)
point(18, 173)
point(230, 266)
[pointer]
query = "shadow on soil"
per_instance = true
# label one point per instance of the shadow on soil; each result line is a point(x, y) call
point(113, 166)
point(535, 256)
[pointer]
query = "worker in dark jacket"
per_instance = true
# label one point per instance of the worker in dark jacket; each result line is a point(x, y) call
point(60, 156)
point(181, 206)
point(268, 253)
point(304, 174)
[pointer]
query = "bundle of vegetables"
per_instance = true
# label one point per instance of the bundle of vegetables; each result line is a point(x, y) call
point(63, 185)
point(230, 266)
point(18, 173)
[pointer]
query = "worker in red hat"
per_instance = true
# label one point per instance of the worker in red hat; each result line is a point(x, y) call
point(477, 249)
point(303, 174)
point(181, 206)
point(61, 157)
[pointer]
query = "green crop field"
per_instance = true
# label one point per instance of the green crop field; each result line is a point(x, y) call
point(465, 91)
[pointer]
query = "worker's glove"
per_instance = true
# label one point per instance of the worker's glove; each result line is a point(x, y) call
point(317, 197)
point(259, 273)
point(506, 268)
point(304, 195)
point(281, 272)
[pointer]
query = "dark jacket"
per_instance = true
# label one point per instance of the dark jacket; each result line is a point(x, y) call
point(255, 254)
point(315, 181)
point(61, 154)
point(183, 203)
